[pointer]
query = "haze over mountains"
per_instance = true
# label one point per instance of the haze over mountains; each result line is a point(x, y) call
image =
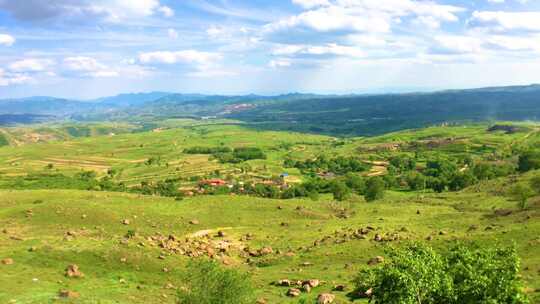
point(328, 114)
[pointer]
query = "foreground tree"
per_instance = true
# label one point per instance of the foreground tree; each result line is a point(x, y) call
point(418, 274)
point(208, 283)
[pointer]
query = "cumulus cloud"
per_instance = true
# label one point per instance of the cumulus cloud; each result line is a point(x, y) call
point(506, 21)
point(7, 78)
point(279, 63)
point(311, 3)
point(31, 65)
point(328, 21)
point(330, 49)
point(108, 10)
point(88, 67)
point(456, 44)
point(186, 57)
point(6, 39)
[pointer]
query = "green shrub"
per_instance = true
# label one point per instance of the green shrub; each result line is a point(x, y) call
point(208, 283)
point(529, 161)
point(462, 275)
point(375, 187)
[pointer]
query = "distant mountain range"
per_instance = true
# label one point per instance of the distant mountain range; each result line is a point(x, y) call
point(330, 114)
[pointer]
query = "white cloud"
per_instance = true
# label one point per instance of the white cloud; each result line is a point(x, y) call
point(6, 39)
point(186, 56)
point(172, 33)
point(331, 21)
point(7, 79)
point(318, 50)
point(496, 1)
point(311, 3)
point(166, 11)
point(88, 67)
point(279, 63)
point(31, 65)
point(77, 10)
point(457, 44)
point(506, 21)
point(332, 18)
point(215, 31)
point(515, 43)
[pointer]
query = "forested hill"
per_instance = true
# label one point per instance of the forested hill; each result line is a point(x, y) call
point(326, 114)
point(376, 114)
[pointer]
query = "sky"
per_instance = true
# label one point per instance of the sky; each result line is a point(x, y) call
point(92, 48)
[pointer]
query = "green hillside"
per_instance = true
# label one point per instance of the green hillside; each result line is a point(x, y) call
point(130, 210)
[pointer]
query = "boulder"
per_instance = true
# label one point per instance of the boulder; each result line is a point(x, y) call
point(293, 292)
point(325, 298)
point(312, 283)
point(306, 288)
point(68, 294)
point(376, 260)
point(72, 271)
point(284, 282)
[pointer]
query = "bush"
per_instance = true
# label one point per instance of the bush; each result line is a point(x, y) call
point(463, 275)
point(521, 193)
point(208, 283)
point(374, 189)
point(529, 161)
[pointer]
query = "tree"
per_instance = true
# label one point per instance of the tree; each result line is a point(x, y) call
point(416, 274)
point(374, 189)
point(529, 160)
point(208, 283)
point(521, 192)
point(340, 191)
point(355, 182)
point(470, 274)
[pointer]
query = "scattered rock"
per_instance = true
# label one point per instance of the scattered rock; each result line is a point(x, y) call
point(503, 212)
point(68, 294)
point(126, 222)
point(284, 282)
point(261, 301)
point(429, 238)
point(326, 298)
point(378, 238)
point(376, 260)
point(194, 222)
point(340, 288)
point(442, 232)
point(306, 288)
point(72, 271)
point(7, 261)
point(221, 234)
point(293, 292)
point(312, 283)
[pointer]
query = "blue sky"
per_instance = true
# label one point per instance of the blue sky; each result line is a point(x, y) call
point(92, 48)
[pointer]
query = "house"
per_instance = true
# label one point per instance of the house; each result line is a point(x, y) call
point(215, 182)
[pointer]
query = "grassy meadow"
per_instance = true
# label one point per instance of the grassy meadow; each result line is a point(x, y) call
point(117, 239)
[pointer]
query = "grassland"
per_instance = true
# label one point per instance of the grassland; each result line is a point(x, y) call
point(44, 231)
